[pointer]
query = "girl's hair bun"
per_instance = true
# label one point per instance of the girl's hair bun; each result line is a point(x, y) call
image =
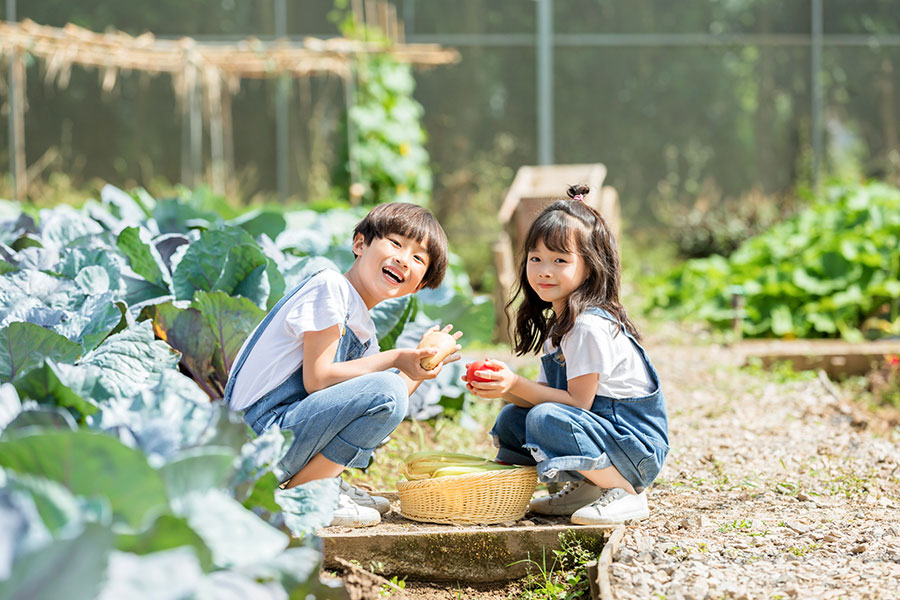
point(578, 191)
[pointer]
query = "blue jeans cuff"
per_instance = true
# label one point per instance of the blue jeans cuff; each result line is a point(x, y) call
point(347, 454)
point(565, 468)
point(514, 458)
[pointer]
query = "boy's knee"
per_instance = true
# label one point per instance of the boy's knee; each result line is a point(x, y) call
point(393, 391)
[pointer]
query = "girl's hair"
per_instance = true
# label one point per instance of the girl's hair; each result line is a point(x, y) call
point(569, 226)
point(412, 221)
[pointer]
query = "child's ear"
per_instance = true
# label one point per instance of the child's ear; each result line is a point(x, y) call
point(359, 243)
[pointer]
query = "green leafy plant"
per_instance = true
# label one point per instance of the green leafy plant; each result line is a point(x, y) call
point(387, 153)
point(822, 273)
point(119, 322)
point(565, 577)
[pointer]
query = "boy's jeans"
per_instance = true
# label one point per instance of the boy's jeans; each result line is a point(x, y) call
point(345, 422)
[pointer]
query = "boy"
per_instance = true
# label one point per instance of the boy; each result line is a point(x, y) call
point(313, 364)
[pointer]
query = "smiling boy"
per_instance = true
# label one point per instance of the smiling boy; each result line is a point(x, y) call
point(313, 365)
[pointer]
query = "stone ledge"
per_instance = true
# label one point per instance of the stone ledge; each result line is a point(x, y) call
point(449, 553)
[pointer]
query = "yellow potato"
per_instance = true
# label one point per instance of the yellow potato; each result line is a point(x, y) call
point(444, 343)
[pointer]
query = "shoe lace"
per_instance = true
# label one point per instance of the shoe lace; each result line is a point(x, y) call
point(610, 495)
point(570, 487)
point(352, 490)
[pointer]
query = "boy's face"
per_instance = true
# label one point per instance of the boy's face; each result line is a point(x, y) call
point(390, 267)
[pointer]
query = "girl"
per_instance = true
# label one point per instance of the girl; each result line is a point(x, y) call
point(596, 416)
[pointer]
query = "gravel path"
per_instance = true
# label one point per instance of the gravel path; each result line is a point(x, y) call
point(773, 489)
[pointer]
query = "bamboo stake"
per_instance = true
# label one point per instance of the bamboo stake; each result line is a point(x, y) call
point(17, 94)
point(216, 130)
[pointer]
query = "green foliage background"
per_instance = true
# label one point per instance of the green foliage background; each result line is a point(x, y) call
point(832, 270)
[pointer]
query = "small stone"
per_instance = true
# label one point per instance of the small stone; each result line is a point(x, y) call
point(830, 538)
point(526, 523)
point(625, 555)
point(508, 524)
point(798, 527)
point(859, 549)
point(802, 496)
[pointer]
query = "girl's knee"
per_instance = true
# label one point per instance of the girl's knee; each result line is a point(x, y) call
point(510, 416)
point(545, 413)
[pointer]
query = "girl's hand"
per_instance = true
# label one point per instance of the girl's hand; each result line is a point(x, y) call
point(500, 381)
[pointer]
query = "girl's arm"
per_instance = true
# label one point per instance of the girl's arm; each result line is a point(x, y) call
point(504, 383)
point(320, 370)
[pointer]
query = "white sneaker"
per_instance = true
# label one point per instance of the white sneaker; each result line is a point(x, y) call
point(382, 505)
point(350, 514)
point(613, 507)
point(573, 496)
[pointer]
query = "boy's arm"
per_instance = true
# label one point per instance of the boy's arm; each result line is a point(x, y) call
point(320, 370)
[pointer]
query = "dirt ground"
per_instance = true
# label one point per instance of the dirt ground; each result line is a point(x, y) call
point(776, 487)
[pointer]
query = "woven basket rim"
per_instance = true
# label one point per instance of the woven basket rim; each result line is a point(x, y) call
point(436, 481)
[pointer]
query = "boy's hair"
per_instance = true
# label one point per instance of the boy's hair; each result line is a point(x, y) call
point(412, 221)
point(560, 226)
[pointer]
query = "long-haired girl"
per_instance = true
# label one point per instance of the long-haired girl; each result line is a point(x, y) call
point(596, 416)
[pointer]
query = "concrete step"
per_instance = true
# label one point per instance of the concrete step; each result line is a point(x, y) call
point(432, 552)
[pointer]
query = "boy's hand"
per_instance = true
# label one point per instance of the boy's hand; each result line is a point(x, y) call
point(500, 379)
point(410, 360)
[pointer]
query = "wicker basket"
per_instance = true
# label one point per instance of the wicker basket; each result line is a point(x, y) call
point(473, 499)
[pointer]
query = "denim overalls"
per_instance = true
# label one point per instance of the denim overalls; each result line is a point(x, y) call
point(345, 421)
point(628, 433)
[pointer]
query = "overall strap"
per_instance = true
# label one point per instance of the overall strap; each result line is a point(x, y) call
point(235, 369)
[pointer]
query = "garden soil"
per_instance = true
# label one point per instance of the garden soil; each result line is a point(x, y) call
point(776, 486)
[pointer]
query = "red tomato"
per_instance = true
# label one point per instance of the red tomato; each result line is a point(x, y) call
point(479, 365)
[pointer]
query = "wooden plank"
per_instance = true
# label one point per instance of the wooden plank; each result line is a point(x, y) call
point(838, 358)
point(605, 562)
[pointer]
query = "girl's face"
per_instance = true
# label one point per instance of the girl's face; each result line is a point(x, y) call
point(554, 275)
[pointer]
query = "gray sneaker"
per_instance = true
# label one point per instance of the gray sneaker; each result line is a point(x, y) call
point(350, 514)
point(614, 507)
point(567, 500)
point(382, 505)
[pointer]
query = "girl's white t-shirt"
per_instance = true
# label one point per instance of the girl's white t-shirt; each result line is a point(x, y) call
point(597, 345)
point(322, 302)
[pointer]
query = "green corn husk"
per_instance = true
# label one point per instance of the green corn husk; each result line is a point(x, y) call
point(424, 465)
point(450, 471)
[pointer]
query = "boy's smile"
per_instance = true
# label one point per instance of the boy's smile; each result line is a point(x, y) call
point(389, 267)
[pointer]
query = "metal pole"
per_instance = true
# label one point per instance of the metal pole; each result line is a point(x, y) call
point(11, 17)
point(281, 110)
point(817, 93)
point(409, 16)
point(545, 81)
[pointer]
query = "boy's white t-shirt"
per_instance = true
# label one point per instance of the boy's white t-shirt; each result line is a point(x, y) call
point(322, 302)
point(597, 345)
